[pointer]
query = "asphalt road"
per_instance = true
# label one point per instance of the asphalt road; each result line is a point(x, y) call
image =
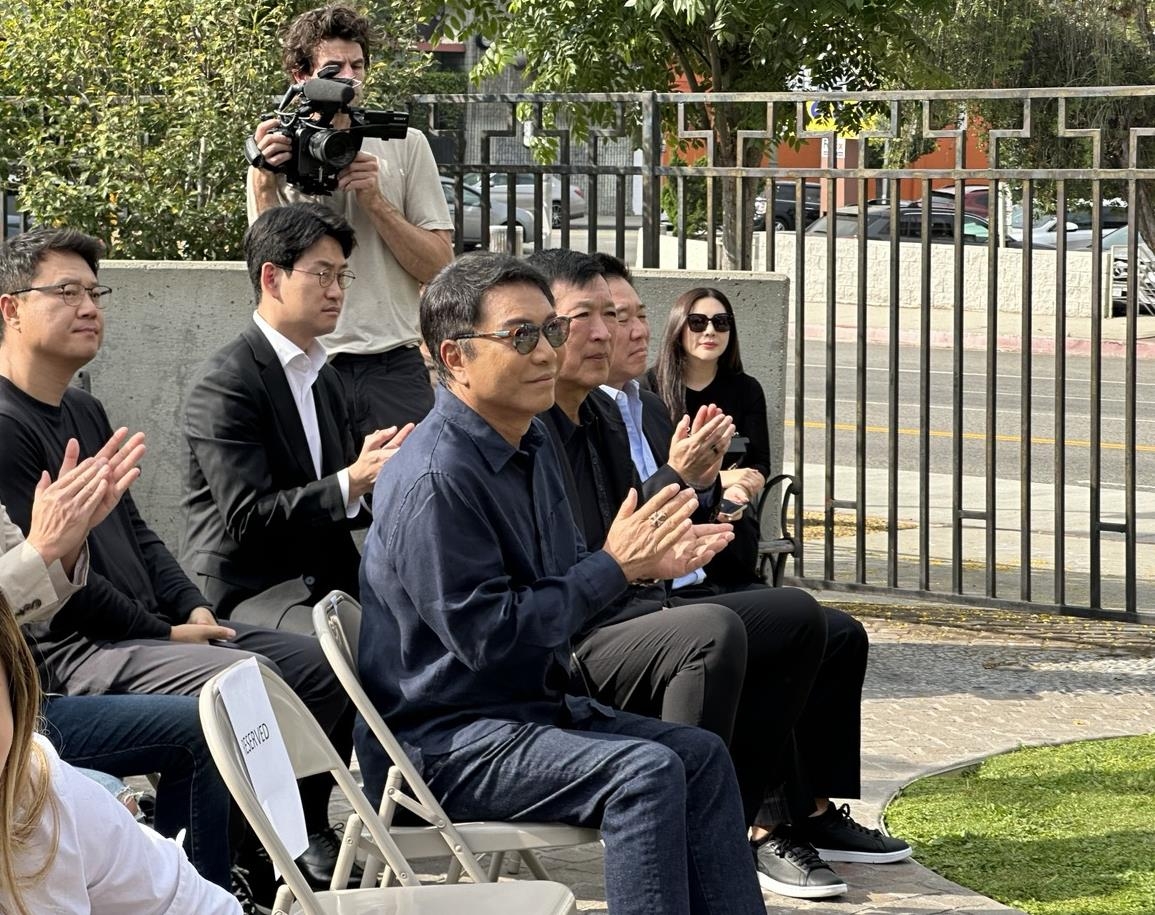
point(1005, 421)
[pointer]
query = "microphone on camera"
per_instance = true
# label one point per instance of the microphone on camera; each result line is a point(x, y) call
point(328, 91)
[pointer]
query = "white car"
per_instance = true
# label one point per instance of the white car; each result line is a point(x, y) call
point(471, 215)
point(1116, 244)
point(523, 185)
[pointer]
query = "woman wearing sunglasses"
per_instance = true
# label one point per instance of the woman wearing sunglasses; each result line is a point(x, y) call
point(699, 363)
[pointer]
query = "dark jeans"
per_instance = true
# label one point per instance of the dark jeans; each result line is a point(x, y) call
point(180, 669)
point(753, 698)
point(662, 794)
point(139, 734)
point(384, 389)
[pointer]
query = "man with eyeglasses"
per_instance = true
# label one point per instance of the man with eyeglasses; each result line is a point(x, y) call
point(273, 481)
point(391, 194)
point(475, 578)
point(139, 625)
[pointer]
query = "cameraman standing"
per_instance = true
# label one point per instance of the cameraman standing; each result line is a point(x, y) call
point(391, 194)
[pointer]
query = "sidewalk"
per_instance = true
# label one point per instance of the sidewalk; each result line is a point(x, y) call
point(947, 686)
point(1008, 333)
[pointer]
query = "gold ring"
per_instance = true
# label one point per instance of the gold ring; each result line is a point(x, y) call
point(657, 519)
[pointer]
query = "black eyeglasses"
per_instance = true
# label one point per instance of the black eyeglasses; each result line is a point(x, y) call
point(722, 322)
point(72, 293)
point(325, 277)
point(525, 336)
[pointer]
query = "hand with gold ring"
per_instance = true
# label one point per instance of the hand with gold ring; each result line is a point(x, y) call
point(641, 536)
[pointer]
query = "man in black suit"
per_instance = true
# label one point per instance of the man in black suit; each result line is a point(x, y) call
point(274, 484)
point(827, 727)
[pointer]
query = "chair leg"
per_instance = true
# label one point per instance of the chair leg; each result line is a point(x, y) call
point(535, 866)
point(283, 902)
point(453, 873)
point(495, 862)
point(348, 853)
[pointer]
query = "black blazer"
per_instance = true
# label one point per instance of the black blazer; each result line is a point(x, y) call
point(255, 512)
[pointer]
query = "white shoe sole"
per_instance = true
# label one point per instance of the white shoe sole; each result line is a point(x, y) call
point(799, 892)
point(863, 857)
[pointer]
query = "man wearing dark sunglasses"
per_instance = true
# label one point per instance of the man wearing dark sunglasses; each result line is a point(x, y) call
point(476, 579)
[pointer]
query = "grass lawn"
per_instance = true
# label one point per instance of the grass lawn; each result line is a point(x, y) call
point(1066, 830)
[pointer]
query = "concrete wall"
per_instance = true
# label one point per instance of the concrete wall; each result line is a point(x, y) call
point(166, 318)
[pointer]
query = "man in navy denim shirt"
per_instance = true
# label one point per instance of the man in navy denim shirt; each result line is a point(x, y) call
point(475, 578)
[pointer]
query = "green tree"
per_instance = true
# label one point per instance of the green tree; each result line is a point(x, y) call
point(128, 120)
point(717, 45)
point(1045, 43)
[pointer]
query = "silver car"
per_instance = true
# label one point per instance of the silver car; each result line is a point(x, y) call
point(523, 185)
point(471, 215)
point(1116, 244)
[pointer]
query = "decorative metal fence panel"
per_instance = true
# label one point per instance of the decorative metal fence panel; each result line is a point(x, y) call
point(932, 460)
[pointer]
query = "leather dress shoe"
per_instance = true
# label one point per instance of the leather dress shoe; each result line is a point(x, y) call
point(320, 859)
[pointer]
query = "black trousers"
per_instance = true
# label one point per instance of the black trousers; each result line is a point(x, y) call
point(686, 663)
point(384, 389)
point(181, 669)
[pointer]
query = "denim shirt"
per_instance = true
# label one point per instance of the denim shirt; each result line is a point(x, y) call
point(473, 581)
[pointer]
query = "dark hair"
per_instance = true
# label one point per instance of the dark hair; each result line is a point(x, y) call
point(670, 371)
point(613, 266)
point(20, 256)
point(561, 265)
point(282, 234)
point(451, 303)
point(323, 24)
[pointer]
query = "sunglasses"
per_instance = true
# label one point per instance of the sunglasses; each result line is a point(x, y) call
point(525, 336)
point(722, 322)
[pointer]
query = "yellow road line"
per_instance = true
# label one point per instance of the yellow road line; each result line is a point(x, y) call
point(979, 436)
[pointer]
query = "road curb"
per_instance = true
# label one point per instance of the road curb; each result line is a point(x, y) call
point(977, 340)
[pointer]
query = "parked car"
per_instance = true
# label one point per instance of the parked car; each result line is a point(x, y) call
point(471, 215)
point(785, 208)
point(1078, 227)
point(910, 214)
point(976, 198)
point(1115, 242)
point(551, 184)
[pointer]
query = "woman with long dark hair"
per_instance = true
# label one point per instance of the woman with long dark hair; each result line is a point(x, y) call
point(700, 363)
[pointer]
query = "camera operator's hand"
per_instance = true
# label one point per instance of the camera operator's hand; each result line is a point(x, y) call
point(360, 177)
point(276, 148)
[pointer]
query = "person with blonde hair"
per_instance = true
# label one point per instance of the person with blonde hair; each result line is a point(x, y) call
point(66, 844)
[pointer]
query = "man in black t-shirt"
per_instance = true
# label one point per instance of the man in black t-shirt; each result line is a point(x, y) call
point(139, 625)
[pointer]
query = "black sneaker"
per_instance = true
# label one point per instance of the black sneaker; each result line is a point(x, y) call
point(792, 868)
point(837, 837)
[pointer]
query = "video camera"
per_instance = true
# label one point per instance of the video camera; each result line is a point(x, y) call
point(319, 150)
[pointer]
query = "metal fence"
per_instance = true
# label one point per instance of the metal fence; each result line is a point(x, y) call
point(931, 462)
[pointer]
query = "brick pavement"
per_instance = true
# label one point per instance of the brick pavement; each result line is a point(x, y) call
point(969, 684)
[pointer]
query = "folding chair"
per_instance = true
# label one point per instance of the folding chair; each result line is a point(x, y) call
point(337, 623)
point(310, 753)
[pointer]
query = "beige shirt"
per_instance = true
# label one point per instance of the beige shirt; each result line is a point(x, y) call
point(34, 590)
point(380, 310)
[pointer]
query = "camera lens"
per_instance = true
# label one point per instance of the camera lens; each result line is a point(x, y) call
point(335, 148)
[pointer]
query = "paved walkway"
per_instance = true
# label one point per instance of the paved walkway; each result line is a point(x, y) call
point(946, 686)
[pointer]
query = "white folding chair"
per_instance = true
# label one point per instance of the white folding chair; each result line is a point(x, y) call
point(310, 753)
point(337, 623)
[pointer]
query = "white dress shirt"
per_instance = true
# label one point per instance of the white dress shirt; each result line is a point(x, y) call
point(301, 370)
point(106, 863)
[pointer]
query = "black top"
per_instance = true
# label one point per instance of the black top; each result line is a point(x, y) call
point(741, 397)
point(136, 589)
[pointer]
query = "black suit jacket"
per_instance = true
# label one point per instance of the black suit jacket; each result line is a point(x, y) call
point(255, 513)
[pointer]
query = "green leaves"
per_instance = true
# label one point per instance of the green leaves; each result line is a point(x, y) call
point(128, 120)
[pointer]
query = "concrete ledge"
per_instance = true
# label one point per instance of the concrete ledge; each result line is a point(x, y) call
point(167, 317)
